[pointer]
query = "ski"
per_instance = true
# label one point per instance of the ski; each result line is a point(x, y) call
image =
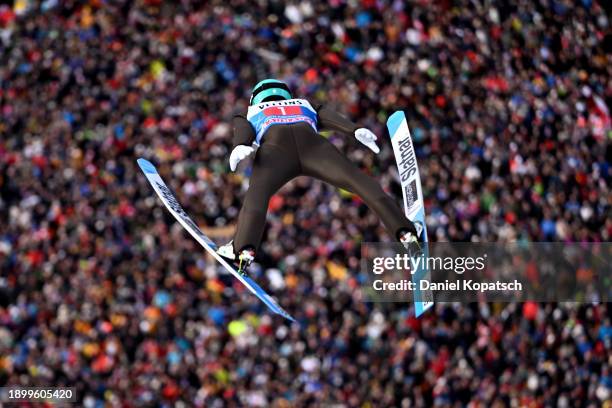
point(172, 204)
point(414, 205)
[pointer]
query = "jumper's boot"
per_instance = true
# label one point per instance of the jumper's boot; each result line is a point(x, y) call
point(241, 261)
point(410, 241)
point(408, 238)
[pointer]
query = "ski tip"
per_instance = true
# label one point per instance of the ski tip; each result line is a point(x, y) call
point(276, 308)
point(146, 166)
point(288, 317)
point(394, 121)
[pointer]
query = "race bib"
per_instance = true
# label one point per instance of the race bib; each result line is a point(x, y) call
point(267, 114)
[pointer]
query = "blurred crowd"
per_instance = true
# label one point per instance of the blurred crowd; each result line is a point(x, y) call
point(101, 289)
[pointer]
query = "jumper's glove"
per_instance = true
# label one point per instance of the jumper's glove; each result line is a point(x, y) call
point(239, 153)
point(368, 138)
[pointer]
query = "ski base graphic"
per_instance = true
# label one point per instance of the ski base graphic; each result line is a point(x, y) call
point(171, 203)
point(412, 193)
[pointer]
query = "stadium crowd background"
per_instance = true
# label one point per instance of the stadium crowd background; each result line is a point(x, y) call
point(102, 290)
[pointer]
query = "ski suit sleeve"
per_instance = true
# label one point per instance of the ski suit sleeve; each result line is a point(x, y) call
point(329, 119)
point(243, 132)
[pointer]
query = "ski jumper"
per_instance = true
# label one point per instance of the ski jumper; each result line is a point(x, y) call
point(290, 146)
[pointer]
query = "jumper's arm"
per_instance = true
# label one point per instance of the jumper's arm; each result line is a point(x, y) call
point(243, 132)
point(329, 119)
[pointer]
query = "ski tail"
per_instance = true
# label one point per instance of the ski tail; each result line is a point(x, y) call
point(412, 194)
point(172, 204)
